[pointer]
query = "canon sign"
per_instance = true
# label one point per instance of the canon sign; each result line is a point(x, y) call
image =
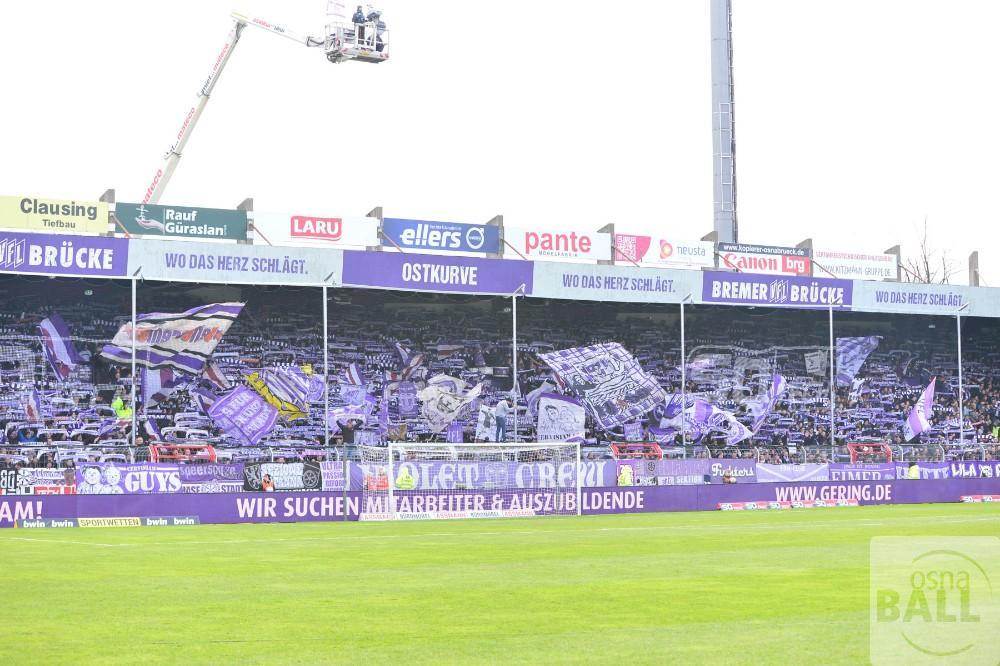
point(440, 236)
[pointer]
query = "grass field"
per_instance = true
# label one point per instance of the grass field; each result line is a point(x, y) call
point(779, 586)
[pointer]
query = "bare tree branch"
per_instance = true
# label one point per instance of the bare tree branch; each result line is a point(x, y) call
point(924, 266)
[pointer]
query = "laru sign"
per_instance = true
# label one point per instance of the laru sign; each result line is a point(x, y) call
point(180, 221)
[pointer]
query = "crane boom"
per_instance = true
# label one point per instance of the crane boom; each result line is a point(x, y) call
point(341, 42)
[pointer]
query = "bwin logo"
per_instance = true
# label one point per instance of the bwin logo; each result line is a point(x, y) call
point(779, 291)
point(475, 238)
point(11, 253)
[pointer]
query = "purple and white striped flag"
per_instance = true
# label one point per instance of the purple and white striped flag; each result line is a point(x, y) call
point(411, 361)
point(153, 430)
point(58, 346)
point(183, 341)
point(764, 403)
point(608, 380)
point(918, 420)
point(354, 375)
point(851, 355)
point(159, 385)
point(34, 407)
point(215, 374)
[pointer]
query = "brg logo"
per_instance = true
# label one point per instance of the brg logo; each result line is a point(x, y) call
point(932, 600)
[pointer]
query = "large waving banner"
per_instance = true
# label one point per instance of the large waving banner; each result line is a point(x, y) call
point(610, 382)
point(560, 419)
point(245, 415)
point(443, 400)
point(183, 341)
point(58, 347)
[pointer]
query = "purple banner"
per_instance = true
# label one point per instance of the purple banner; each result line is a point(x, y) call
point(312, 506)
point(691, 471)
point(63, 254)
point(862, 471)
point(472, 475)
point(211, 478)
point(792, 473)
point(127, 479)
point(431, 273)
point(800, 292)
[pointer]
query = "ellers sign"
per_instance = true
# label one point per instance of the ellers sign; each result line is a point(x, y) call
point(315, 230)
point(440, 236)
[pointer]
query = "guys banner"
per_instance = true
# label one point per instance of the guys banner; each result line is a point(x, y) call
point(63, 254)
point(409, 272)
point(799, 292)
point(53, 215)
point(182, 222)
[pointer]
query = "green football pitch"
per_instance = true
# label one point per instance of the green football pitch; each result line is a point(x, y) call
point(754, 587)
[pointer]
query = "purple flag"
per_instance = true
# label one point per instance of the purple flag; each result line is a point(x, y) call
point(851, 355)
point(58, 346)
point(158, 385)
point(354, 375)
point(764, 404)
point(244, 414)
point(918, 420)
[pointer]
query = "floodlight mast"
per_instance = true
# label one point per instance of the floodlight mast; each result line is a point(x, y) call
point(365, 42)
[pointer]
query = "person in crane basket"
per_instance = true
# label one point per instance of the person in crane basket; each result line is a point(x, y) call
point(375, 18)
point(359, 23)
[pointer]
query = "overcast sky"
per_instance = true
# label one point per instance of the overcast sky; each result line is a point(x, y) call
point(855, 119)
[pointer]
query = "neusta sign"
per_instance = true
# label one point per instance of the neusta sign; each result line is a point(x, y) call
point(559, 245)
point(313, 230)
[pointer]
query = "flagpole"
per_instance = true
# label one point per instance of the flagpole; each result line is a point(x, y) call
point(961, 388)
point(683, 380)
point(134, 282)
point(833, 385)
point(514, 355)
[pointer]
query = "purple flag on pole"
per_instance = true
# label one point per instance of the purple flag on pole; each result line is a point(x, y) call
point(58, 346)
point(851, 355)
point(244, 414)
point(764, 404)
point(158, 385)
point(34, 408)
point(918, 420)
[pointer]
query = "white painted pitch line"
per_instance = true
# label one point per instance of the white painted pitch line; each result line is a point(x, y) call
point(414, 536)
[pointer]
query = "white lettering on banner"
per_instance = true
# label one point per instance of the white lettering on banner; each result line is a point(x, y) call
point(777, 292)
point(326, 228)
point(65, 256)
point(439, 274)
point(152, 482)
point(449, 476)
point(11, 512)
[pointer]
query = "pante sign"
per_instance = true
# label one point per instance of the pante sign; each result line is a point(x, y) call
point(767, 259)
point(559, 245)
point(653, 251)
point(315, 230)
point(801, 292)
point(52, 254)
